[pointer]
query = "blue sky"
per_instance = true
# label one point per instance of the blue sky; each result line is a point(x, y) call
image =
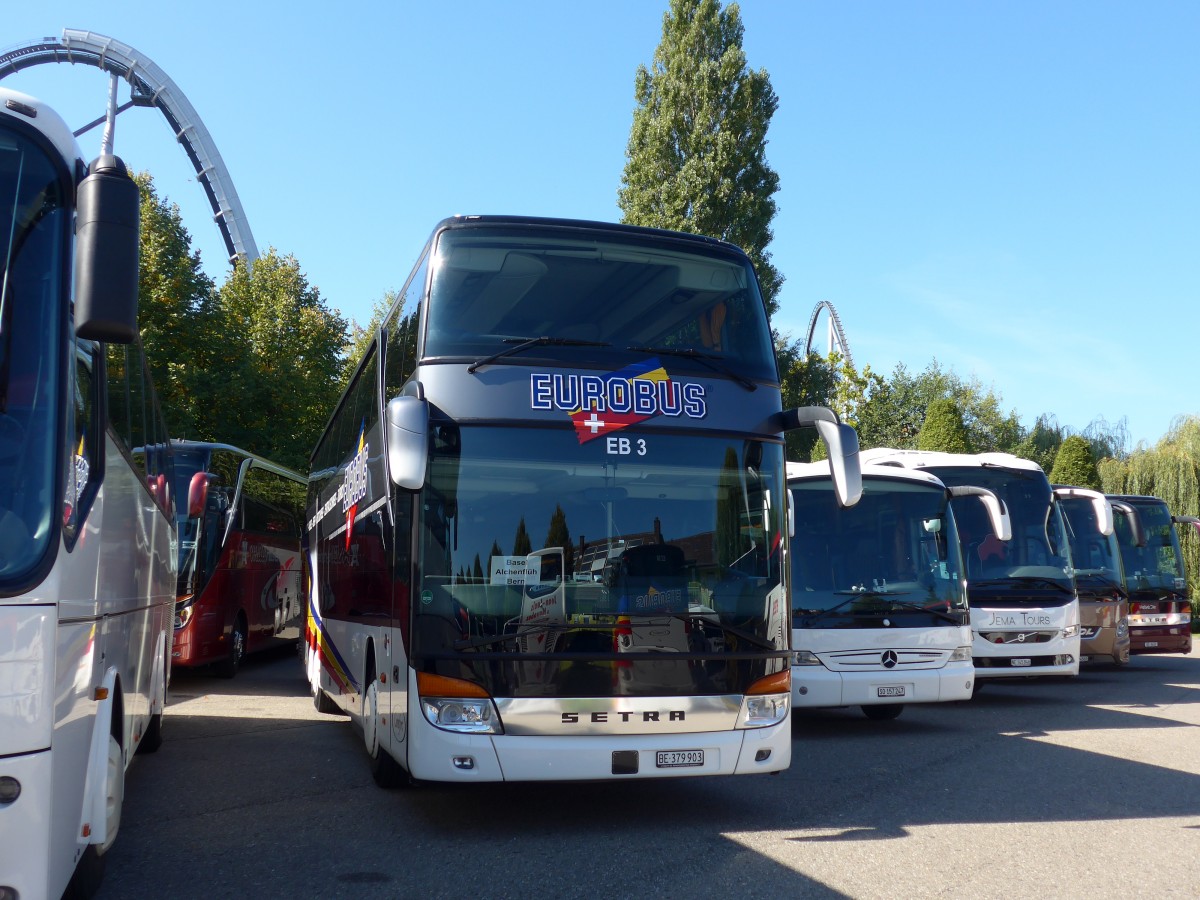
point(1010, 188)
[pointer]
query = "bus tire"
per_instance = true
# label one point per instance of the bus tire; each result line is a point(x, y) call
point(386, 772)
point(88, 875)
point(152, 737)
point(884, 712)
point(228, 667)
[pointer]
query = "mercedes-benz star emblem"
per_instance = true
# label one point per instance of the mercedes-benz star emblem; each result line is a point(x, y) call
point(889, 659)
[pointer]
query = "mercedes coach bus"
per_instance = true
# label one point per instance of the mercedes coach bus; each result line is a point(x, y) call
point(87, 532)
point(239, 555)
point(547, 520)
point(879, 601)
point(1160, 606)
point(1024, 610)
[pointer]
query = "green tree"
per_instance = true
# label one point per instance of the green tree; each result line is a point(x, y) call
point(284, 348)
point(521, 543)
point(806, 380)
point(1075, 465)
point(943, 430)
point(559, 535)
point(696, 158)
point(1041, 442)
point(360, 337)
point(176, 314)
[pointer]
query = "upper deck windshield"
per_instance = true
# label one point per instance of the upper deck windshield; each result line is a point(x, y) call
point(1158, 566)
point(895, 555)
point(1095, 556)
point(611, 294)
point(1035, 564)
point(33, 243)
point(538, 553)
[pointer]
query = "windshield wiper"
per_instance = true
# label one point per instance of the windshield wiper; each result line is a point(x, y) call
point(916, 607)
point(853, 596)
point(707, 359)
point(522, 344)
point(1030, 580)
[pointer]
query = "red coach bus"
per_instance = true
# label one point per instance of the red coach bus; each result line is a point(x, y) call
point(239, 555)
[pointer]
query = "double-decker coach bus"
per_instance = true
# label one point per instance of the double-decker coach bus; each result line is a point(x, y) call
point(879, 600)
point(1024, 610)
point(547, 521)
point(1160, 607)
point(239, 555)
point(87, 532)
point(1099, 576)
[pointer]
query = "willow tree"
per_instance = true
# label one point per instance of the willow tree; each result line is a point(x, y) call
point(696, 159)
point(1170, 471)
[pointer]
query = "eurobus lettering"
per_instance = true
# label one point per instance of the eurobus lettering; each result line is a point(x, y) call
point(564, 553)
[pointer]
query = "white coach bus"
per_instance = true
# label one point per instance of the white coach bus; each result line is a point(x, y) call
point(87, 535)
point(879, 602)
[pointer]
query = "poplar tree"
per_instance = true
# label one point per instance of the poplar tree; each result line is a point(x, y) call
point(696, 159)
point(1074, 464)
point(943, 430)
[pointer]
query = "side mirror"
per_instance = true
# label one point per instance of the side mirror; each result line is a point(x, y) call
point(197, 495)
point(1100, 504)
point(407, 441)
point(842, 443)
point(107, 217)
point(1137, 532)
point(997, 512)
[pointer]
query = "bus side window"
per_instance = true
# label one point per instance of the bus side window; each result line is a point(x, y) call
point(84, 453)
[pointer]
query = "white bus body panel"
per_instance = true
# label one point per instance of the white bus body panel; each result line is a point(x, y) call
point(588, 757)
point(1042, 628)
point(853, 666)
point(115, 598)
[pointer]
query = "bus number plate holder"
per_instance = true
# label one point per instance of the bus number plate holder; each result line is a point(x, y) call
point(1022, 661)
point(890, 690)
point(674, 759)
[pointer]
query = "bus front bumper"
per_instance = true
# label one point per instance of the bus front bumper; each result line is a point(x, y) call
point(816, 686)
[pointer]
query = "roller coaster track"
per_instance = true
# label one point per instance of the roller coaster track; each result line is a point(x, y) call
point(150, 86)
point(836, 335)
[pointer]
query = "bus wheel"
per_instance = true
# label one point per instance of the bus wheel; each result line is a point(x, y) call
point(90, 870)
point(228, 667)
point(883, 713)
point(385, 770)
point(152, 737)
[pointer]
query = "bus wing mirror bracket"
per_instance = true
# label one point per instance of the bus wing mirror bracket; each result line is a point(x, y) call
point(996, 510)
point(1100, 504)
point(407, 441)
point(107, 216)
point(842, 443)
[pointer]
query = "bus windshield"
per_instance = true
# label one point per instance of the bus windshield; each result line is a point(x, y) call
point(1094, 555)
point(33, 237)
point(543, 552)
point(1037, 559)
point(895, 552)
point(1159, 564)
point(496, 287)
point(200, 536)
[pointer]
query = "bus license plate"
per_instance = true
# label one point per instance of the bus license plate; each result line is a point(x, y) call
point(1151, 644)
point(1022, 661)
point(890, 690)
point(671, 759)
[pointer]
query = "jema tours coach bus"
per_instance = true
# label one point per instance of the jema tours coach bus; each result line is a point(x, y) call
point(1099, 576)
point(879, 602)
point(1024, 611)
point(1160, 607)
point(87, 532)
point(547, 520)
point(239, 555)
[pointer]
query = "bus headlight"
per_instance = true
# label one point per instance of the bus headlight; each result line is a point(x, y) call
point(10, 790)
point(960, 654)
point(804, 658)
point(1122, 628)
point(455, 704)
point(767, 701)
point(458, 714)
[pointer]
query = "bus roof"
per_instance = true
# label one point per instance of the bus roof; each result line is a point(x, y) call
point(44, 119)
point(916, 459)
point(179, 444)
point(798, 471)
